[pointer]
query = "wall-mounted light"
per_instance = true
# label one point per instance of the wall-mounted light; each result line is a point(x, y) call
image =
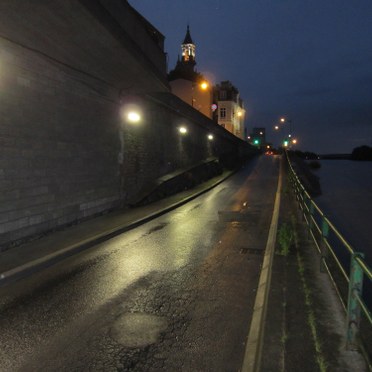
point(133, 117)
point(131, 112)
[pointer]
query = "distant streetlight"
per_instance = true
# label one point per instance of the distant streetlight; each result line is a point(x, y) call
point(182, 130)
point(294, 141)
point(204, 85)
point(284, 120)
point(276, 127)
point(210, 137)
point(240, 113)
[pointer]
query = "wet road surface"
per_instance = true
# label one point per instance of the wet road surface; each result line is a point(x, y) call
point(173, 294)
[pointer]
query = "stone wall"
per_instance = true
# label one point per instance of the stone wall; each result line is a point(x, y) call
point(65, 151)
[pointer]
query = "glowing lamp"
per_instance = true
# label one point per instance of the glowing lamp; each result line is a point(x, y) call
point(133, 117)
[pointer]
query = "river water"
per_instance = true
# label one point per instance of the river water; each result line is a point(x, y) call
point(347, 201)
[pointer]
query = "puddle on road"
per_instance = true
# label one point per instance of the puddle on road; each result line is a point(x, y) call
point(138, 329)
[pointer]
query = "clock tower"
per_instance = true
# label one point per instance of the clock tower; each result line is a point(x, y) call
point(188, 49)
point(185, 67)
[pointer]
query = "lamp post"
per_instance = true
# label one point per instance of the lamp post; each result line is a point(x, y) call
point(290, 140)
point(289, 121)
point(203, 86)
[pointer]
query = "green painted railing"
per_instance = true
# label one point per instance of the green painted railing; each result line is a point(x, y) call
point(335, 251)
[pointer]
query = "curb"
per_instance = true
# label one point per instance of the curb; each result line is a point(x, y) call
point(254, 344)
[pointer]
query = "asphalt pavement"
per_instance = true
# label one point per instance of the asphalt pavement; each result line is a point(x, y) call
point(288, 342)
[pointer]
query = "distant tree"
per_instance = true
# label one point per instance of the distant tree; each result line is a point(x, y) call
point(362, 153)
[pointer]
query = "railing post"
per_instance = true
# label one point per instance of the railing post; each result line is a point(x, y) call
point(311, 223)
point(323, 247)
point(353, 306)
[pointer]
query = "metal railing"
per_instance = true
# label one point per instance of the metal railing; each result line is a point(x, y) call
point(347, 268)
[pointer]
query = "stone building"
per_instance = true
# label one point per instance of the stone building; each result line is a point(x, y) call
point(230, 112)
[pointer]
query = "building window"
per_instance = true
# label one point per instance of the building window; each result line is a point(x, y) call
point(223, 94)
point(222, 112)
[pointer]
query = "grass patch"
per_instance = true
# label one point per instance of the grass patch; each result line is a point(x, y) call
point(287, 236)
point(311, 318)
point(285, 239)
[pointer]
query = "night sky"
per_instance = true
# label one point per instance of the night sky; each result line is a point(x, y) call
point(308, 60)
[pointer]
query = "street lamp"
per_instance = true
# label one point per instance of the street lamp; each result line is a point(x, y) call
point(210, 137)
point(284, 120)
point(204, 85)
point(182, 130)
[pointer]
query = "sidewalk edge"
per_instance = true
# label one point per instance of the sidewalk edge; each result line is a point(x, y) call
point(253, 348)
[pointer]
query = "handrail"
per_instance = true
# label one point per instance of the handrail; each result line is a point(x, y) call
point(320, 228)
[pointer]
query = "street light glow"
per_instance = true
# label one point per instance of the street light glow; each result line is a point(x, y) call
point(240, 113)
point(210, 137)
point(182, 130)
point(133, 117)
point(282, 120)
point(204, 85)
point(276, 127)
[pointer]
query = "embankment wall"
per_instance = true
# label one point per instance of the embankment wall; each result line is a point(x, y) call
point(67, 71)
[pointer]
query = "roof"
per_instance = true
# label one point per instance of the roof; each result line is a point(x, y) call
point(188, 39)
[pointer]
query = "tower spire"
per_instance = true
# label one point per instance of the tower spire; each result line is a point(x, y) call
point(188, 48)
